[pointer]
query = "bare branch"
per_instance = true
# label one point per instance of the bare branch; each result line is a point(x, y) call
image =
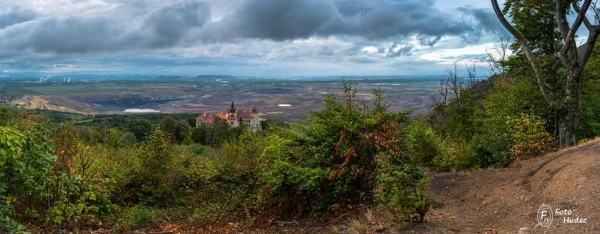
point(505, 22)
point(596, 12)
point(501, 51)
point(472, 74)
point(594, 31)
point(569, 45)
point(561, 19)
point(586, 21)
point(526, 49)
point(455, 85)
point(3, 97)
point(589, 46)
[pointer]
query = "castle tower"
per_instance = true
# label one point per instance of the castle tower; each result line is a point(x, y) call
point(232, 110)
point(255, 121)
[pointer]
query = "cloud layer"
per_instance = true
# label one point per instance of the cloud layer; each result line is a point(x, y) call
point(264, 30)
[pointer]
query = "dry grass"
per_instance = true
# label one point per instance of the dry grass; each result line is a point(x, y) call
point(358, 226)
point(371, 221)
point(370, 217)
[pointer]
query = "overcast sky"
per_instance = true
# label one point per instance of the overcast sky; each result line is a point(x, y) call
point(245, 37)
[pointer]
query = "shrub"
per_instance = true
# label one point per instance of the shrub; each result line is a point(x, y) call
point(529, 138)
point(427, 148)
point(402, 188)
point(25, 161)
point(154, 181)
point(136, 217)
point(509, 138)
point(345, 155)
point(11, 151)
point(77, 192)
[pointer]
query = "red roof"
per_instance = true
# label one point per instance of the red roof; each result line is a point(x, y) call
point(227, 115)
point(222, 115)
point(243, 113)
point(206, 118)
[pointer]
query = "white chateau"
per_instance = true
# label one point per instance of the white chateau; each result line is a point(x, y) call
point(233, 117)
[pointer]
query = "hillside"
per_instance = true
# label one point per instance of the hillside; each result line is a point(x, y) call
point(55, 103)
point(507, 200)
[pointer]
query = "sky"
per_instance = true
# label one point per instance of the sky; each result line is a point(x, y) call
point(246, 37)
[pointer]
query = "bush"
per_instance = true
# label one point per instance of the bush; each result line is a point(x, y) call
point(510, 138)
point(529, 138)
point(345, 155)
point(11, 149)
point(136, 217)
point(427, 147)
point(25, 162)
point(402, 188)
point(154, 181)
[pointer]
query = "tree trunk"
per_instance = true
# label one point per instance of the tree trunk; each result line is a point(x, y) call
point(570, 112)
point(567, 129)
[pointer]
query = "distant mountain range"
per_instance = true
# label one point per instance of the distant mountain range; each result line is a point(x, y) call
point(53, 77)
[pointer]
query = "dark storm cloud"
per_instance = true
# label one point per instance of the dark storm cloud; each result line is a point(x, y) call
point(405, 18)
point(352, 7)
point(72, 35)
point(171, 23)
point(373, 20)
point(280, 20)
point(14, 15)
point(163, 27)
point(154, 25)
point(486, 20)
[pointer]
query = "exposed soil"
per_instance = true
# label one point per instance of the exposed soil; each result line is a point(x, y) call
point(54, 103)
point(507, 200)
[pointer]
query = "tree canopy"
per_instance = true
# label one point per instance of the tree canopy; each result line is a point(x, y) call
point(547, 40)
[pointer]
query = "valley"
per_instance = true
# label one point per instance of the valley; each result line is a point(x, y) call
point(287, 99)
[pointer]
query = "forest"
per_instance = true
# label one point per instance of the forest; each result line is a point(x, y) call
point(129, 172)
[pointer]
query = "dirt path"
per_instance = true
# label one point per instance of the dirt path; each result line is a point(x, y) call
point(507, 200)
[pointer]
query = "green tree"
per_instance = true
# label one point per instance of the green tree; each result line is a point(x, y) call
point(154, 173)
point(457, 106)
point(168, 126)
point(183, 132)
point(551, 16)
point(25, 161)
point(76, 193)
point(141, 128)
point(199, 134)
point(11, 153)
point(215, 134)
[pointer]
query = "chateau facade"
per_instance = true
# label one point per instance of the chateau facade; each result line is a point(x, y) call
point(234, 117)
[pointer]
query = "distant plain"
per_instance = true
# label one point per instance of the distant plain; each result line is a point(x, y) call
point(287, 99)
